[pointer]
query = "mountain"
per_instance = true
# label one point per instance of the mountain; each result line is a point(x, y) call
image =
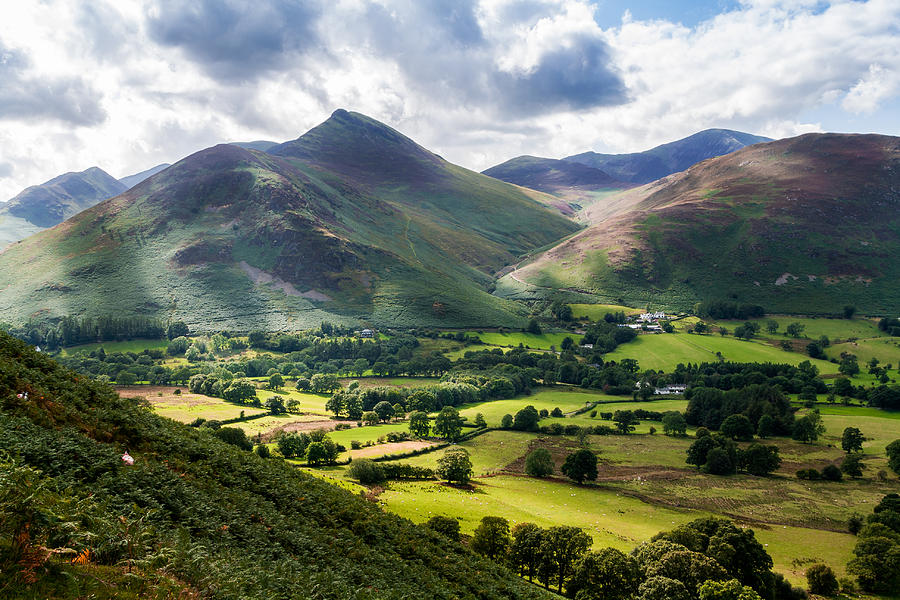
point(653, 164)
point(261, 145)
point(575, 182)
point(45, 205)
point(130, 181)
point(192, 516)
point(350, 222)
point(805, 225)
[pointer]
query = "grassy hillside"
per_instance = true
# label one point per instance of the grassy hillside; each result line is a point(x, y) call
point(803, 225)
point(193, 516)
point(231, 238)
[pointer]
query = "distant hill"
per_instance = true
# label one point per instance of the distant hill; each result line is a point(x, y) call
point(261, 145)
point(193, 516)
point(808, 224)
point(572, 181)
point(132, 180)
point(644, 167)
point(45, 205)
point(350, 222)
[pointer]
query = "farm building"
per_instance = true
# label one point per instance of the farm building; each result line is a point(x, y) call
point(366, 333)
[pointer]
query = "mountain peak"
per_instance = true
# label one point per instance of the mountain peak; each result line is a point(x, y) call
point(363, 147)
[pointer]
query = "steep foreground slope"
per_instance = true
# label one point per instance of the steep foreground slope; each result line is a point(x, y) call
point(650, 165)
point(340, 225)
point(54, 201)
point(807, 224)
point(192, 512)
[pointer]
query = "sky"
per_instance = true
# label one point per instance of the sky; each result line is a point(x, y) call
point(128, 84)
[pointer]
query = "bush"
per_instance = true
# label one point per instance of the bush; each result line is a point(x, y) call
point(832, 473)
point(822, 580)
point(366, 471)
point(235, 437)
point(855, 523)
point(809, 474)
point(355, 444)
point(446, 526)
point(263, 451)
point(539, 463)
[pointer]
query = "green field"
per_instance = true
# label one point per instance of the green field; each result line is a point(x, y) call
point(188, 407)
point(309, 403)
point(886, 350)
point(567, 398)
point(835, 329)
point(489, 452)
point(136, 346)
point(542, 341)
point(595, 312)
point(665, 351)
point(269, 423)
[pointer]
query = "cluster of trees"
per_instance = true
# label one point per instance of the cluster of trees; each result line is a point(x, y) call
point(239, 391)
point(876, 561)
point(765, 407)
point(71, 331)
point(707, 559)
point(890, 325)
point(717, 454)
point(369, 472)
point(606, 336)
point(723, 309)
point(315, 446)
point(126, 368)
point(727, 375)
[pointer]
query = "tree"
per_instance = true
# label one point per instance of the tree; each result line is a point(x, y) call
point(539, 463)
point(370, 417)
point(561, 547)
point(419, 425)
point(448, 424)
point(625, 421)
point(852, 440)
point(234, 436)
point(525, 549)
point(698, 451)
point(422, 400)
point(491, 537)
point(455, 465)
point(806, 429)
point(737, 427)
point(526, 419)
point(275, 405)
point(662, 588)
point(480, 423)
point(293, 444)
point(384, 410)
point(177, 329)
point(822, 580)
point(608, 574)
point(561, 310)
point(533, 327)
point(360, 366)
point(849, 365)
point(689, 567)
point(893, 453)
point(580, 465)
point(126, 378)
point(766, 426)
point(276, 381)
point(759, 459)
point(718, 462)
point(506, 422)
point(315, 453)
point(322, 383)
point(795, 330)
point(772, 326)
point(852, 465)
point(674, 424)
point(726, 590)
point(832, 473)
point(447, 526)
point(239, 391)
point(849, 311)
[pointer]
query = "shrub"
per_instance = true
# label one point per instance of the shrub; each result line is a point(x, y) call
point(539, 463)
point(855, 523)
point(355, 444)
point(832, 473)
point(809, 474)
point(821, 580)
point(366, 471)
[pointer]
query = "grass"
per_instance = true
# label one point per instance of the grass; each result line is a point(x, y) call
point(595, 312)
point(666, 351)
point(814, 328)
point(309, 403)
point(489, 452)
point(187, 407)
point(136, 346)
point(269, 423)
point(542, 341)
point(567, 398)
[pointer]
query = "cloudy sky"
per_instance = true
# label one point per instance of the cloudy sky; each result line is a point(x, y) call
point(127, 84)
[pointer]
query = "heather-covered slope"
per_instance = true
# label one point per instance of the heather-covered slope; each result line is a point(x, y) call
point(230, 238)
point(807, 224)
point(644, 167)
point(576, 183)
point(193, 516)
point(45, 205)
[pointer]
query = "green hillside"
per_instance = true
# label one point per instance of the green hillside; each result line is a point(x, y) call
point(803, 225)
point(193, 516)
point(231, 238)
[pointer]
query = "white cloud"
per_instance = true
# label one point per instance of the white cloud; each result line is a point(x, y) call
point(476, 81)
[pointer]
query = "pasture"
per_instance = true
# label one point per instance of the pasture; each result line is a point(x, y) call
point(136, 346)
point(567, 398)
point(540, 341)
point(814, 328)
point(596, 312)
point(665, 351)
point(187, 407)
